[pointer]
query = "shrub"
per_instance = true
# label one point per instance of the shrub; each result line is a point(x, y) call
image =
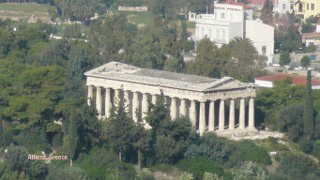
point(167, 168)
point(296, 167)
point(248, 151)
point(305, 144)
point(198, 166)
point(99, 160)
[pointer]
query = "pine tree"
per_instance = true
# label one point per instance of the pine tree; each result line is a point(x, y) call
point(308, 121)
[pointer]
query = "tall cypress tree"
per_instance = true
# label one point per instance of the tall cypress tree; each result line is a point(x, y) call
point(308, 121)
point(120, 129)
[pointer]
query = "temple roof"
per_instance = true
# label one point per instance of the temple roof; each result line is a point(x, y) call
point(128, 73)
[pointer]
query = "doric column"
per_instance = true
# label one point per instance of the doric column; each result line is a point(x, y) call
point(98, 101)
point(232, 115)
point(107, 103)
point(173, 108)
point(154, 99)
point(221, 116)
point(127, 101)
point(193, 113)
point(90, 94)
point(211, 116)
point(116, 97)
point(202, 118)
point(145, 109)
point(251, 113)
point(242, 114)
point(144, 104)
point(183, 110)
point(135, 106)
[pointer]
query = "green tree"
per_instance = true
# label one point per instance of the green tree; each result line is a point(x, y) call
point(207, 62)
point(308, 120)
point(120, 129)
point(284, 58)
point(84, 10)
point(141, 139)
point(305, 61)
point(71, 139)
point(289, 120)
point(250, 170)
point(241, 56)
point(16, 158)
point(267, 12)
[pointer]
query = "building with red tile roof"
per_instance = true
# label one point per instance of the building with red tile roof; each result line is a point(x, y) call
point(268, 81)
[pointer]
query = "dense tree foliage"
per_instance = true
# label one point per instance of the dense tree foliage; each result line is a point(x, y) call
point(43, 100)
point(238, 59)
point(308, 119)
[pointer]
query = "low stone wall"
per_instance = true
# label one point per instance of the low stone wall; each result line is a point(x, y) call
point(137, 9)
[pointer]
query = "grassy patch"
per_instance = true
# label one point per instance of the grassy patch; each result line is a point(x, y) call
point(198, 166)
point(24, 7)
point(24, 10)
point(140, 18)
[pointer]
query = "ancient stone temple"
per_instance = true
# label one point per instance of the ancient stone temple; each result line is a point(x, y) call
point(211, 104)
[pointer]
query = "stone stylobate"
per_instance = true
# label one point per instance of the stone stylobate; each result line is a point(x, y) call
point(203, 100)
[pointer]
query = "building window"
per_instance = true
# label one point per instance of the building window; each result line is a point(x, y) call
point(264, 50)
point(283, 6)
point(312, 7)
point(307, 6)
point(300, 7)
point(222, 15)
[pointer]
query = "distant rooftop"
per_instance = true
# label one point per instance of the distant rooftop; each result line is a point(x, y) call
point(236, 4)
point(296, 79)
point(129, 73)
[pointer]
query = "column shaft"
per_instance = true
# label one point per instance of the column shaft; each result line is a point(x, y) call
point(193, 113)
point(127, 101)
point(232, 115)
point(90, 94)
point(242, 114)
point(173, 108)
point(135, 106)
point(251, 113)
point(107, 103)
point(154, 99)
point(202, 121)
point(116, 97)
point(221, 116)
point(211, 116)
point(183, 110)
point(98, 101)
point(145, 109)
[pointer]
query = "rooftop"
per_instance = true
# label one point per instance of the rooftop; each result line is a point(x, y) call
point(311, 35)
point(296, 79)
point(236, 4)
point(128, 73)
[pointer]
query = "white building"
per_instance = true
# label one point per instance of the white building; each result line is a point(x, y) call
point(283, 6)
point(232, 19)
point(262, 36)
